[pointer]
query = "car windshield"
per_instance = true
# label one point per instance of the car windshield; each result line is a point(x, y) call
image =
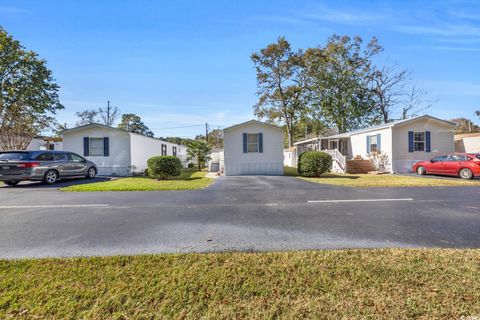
point(13, 156)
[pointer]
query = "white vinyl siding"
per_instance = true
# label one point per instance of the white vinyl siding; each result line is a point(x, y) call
point(266, 158)
point(96, 147)
point(118, 161)
point(441, 142)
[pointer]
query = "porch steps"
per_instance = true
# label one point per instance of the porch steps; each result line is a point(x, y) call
point(359, 166)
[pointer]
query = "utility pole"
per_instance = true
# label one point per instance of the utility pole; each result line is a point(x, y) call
point(108, 113)
point(206, 131)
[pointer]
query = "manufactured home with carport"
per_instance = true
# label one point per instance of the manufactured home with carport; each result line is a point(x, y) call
point(253, 148)
point(117, 151)
point(403, 142)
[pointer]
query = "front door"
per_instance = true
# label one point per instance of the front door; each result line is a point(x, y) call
point(333, 144)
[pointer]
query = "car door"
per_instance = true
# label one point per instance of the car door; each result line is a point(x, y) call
point(437, 164)
point(454, 164)
point(62, 164)
point(78, 164)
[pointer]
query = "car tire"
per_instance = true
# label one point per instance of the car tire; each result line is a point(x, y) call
point(465, 173)
point(11, 183)
point(421, 171)
point(91, 173)
point(50, 177)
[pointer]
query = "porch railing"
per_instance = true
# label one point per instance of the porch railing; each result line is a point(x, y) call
point(338, 157)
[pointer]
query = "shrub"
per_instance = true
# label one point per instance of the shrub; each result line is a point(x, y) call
point(164, 167)
point(299, 163)
point(314, 163)
point(191, 165)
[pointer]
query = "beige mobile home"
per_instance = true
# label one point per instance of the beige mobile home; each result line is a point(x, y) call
point(403, 142)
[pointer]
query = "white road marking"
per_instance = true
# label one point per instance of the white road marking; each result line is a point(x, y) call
point(359, 200)
point(56, 206)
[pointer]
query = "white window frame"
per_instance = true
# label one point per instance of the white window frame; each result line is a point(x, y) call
point(417, 142)
point(372, 139)
point(94, 151)
point(255, 145)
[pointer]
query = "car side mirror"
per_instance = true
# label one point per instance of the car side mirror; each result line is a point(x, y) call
point(432, 161)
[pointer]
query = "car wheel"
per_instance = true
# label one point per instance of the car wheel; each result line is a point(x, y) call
point(11, 183)
point(91, 173)
point(51, 176)
point(421, 171)
point(465, 173)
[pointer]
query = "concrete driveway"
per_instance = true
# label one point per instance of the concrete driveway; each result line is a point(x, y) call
point(235, 213)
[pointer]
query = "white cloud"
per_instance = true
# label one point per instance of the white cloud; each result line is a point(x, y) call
point(450, 30)
point(344, 16)
point(461, 49)
point(455, 88)
point(13, 10)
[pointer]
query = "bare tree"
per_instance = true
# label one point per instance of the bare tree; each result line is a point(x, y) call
point(416, 102)
point(106, 116)
point(388, 89)
point(87, 116)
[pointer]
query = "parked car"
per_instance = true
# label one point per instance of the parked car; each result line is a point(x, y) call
point(464, 165)
point(46, 166)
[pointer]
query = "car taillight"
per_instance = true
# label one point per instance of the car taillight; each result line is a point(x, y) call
point(29, 165)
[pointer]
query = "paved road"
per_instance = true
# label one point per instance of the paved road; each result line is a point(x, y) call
point(235, 213)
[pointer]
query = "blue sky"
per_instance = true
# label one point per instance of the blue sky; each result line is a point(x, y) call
point(182, 63)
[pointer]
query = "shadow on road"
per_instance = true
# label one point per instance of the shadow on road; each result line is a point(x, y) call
point(60, 184)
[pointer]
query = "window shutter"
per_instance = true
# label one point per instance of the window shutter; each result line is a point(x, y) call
point(428, 146)
point(86, 146)
point(260, 142)
point(368, 144)
point(410, 141)
point(245, 137)
point(379, 142)
point(106, 147)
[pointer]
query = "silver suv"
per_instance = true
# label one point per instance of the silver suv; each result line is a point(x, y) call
point(46, 166)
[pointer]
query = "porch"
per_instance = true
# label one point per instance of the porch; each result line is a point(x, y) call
point(342, 145)
point(339, 148)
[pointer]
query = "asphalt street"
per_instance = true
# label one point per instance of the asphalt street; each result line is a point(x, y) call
point(235, 213)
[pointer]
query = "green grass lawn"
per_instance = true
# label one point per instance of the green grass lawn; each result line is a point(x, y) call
point(384, 180)
point(188, 180)
point(389, 180)
point(332, 284)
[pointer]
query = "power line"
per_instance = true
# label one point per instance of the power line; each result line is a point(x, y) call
point(191, 126)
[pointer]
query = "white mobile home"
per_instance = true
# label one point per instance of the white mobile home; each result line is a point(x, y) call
point(116, 151)
point(403, 142)
point(253, 148)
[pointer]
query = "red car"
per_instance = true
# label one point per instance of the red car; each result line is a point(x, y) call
point(462, 165)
